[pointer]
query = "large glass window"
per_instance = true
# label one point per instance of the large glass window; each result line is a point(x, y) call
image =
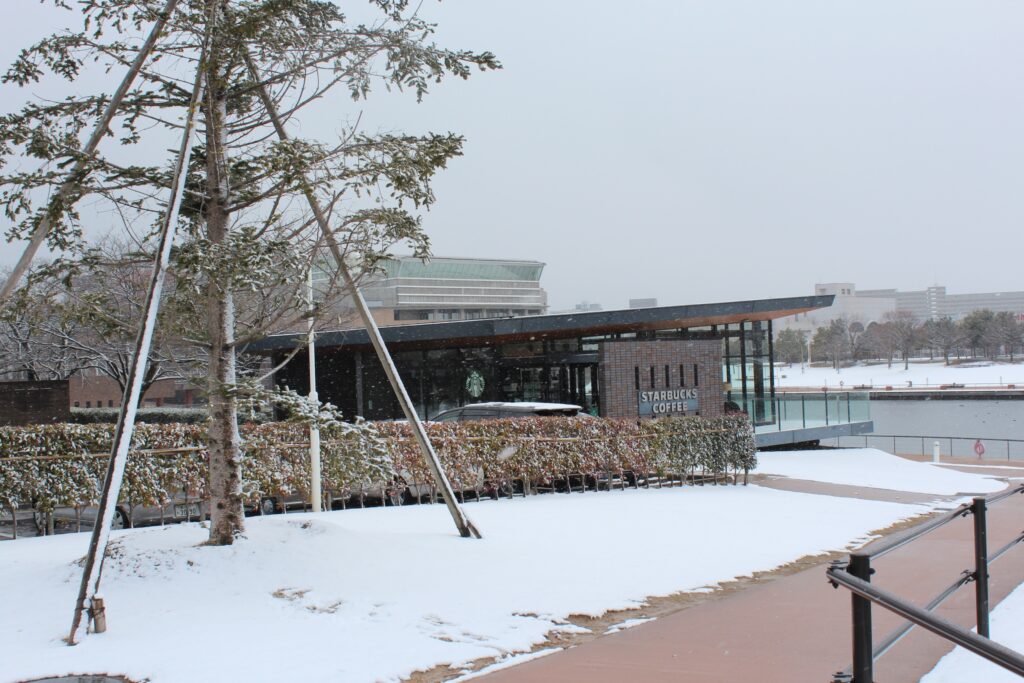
point(746, 369)
point(462, 269)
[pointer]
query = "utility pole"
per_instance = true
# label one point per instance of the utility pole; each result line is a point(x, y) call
point(314, 400)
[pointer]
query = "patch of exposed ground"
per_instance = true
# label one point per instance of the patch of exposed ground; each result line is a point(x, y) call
point(774, 481)
point(653, 608)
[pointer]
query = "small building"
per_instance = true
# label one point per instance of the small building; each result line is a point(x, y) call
point(704, 359)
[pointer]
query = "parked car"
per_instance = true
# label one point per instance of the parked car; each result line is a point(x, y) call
point(181, 508)
point(498, 410)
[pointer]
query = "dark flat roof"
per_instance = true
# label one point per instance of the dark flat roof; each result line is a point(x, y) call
point(562, 325)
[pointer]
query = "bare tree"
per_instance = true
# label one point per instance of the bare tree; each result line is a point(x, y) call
point(1003, 332)
point(878, 342)
point(90, 313)
point(904, 332)
point(975, 331)
point(32, 346)
point(943, 334)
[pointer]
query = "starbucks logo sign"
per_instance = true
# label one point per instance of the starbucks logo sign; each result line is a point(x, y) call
point(475, 384)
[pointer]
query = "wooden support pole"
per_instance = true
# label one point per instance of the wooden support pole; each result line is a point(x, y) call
point(462, 522)
point(98, 614)
point(133, 388)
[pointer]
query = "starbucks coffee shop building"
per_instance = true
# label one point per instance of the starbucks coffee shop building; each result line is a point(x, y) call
point(703, 359)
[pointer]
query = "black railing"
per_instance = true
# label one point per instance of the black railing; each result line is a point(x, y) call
point(855, 575)
point(949, 446)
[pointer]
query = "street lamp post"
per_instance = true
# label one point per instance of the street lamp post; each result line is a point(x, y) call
point(314, 429)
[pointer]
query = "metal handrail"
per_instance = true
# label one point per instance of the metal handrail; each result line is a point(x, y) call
point(898, 540)
point(1013, 449)
point(999, 553)
point(896, 636)
point(855, 575)
point(946, 438)
point(990, 650)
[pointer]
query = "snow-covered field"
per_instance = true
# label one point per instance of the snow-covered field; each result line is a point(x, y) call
point(921, 374)
point(874, 469)
point(374, 594)
point(1006, 626)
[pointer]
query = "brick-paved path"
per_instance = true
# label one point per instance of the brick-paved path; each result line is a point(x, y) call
point(795, 628)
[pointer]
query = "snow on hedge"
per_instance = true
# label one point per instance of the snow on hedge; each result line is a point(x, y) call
point(374, 594)
point(35, 467)
point(874, 469)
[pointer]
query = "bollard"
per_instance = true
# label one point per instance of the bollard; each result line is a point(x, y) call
point(935, 451)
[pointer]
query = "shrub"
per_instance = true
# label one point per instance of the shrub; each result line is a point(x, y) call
point(55, 465)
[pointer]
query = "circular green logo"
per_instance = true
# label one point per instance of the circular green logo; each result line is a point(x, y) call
point(475, 384)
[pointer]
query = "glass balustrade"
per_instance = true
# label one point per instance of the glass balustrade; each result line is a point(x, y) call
point(788, 411)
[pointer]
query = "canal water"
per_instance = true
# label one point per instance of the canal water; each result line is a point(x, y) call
point(996, 423)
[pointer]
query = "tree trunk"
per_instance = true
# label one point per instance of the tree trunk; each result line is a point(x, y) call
point(226, 512)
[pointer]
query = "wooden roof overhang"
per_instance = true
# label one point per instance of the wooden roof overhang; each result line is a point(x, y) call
point(492, 331)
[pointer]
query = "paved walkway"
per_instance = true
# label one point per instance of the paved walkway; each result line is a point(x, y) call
point(795, 628)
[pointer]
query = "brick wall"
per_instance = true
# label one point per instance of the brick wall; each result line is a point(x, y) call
point(99, 391)
point(619, 360)
point(34, 402)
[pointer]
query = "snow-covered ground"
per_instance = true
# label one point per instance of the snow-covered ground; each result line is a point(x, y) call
point(874, 469)
point(1006, 626)
point(374, 594)
point(921, 374)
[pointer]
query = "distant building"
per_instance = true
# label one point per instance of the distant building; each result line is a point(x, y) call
point(871, 305)
point(934, 302)
point(643, 303)
point(92, 389)
point(443, 289)
point(848, 304)
point(581, 307)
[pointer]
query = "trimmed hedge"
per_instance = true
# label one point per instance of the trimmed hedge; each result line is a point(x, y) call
point(161, 415)
point(50, 465)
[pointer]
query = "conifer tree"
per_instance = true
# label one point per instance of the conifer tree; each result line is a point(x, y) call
point(245, 239)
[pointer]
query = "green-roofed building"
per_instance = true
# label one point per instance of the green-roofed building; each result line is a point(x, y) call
point(413, 290)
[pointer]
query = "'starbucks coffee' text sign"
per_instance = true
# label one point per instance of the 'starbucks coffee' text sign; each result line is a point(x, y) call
point(667, 402)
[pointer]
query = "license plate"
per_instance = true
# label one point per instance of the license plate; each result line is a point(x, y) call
point(190, 510)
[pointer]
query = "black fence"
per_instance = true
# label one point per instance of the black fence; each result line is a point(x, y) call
point(855, 575)
point(980, 447)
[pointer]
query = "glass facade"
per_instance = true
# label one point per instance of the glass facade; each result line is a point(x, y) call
point(747, 369)
point(799, 410)
point(551, 370)
point(462, 269)
point(440, 379)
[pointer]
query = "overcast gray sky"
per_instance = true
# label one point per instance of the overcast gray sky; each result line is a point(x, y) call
point(700, 151)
